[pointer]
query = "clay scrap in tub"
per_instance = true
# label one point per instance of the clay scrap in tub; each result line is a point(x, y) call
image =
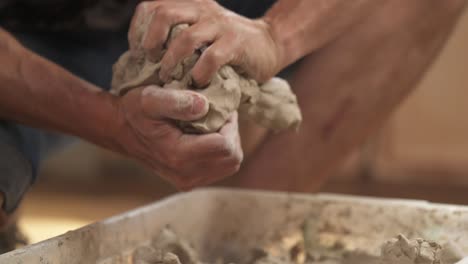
point(271, 104)
point(402, 250)
point(168, 248)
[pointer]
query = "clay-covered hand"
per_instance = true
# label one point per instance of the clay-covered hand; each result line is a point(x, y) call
point(229, 39)
point(187, 161)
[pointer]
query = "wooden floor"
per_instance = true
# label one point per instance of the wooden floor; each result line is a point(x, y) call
point(45, 215)
point(52, 208)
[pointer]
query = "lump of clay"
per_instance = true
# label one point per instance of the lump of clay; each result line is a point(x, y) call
point(169, 242)
point(272, 104)
point(149, 255)
point(166, 248)
point(415, 251)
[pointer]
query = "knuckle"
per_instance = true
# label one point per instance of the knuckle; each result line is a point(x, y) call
point(214, 57)
point(226, 149)
point(233, 163)
point(147, 45)
point(165, 13)
point(187, 39)
point(141, 8)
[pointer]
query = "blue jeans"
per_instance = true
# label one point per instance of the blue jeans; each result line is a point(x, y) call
point(88, 55)
point(22, 148)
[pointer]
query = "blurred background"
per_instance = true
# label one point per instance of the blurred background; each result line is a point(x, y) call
point(421, 153)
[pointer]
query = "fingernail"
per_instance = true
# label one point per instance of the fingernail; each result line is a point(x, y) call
point(199, 104)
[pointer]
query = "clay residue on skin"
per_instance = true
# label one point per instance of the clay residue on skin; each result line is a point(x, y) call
point(271, 104)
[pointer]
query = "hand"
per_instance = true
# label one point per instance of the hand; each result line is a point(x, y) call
point(185, 160)
point(231, 39)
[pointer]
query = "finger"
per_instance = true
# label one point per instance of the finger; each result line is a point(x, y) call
point(209, 167)
point(218, 54)
point(163, 19)
point(209, 155)
point(198, 148)
point(212, 175)
point(181, 183)
point(201, 147)
point(231, 133)
point(140, 22)
point(209, 172)
point(229, 167)
point(174, 104)
point(208, 149)
point(189, 181)
point(185, 44)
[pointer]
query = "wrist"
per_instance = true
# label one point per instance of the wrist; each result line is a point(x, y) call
point(279, 45)
point(287, 36)
point(101, 122)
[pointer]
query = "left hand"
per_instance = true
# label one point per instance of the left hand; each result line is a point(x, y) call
point(231, 39)
point(147, 134)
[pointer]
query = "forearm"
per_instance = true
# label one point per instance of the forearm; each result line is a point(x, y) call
point(39, 93)
point(301, 26)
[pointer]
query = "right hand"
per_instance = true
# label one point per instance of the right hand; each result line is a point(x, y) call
point(232, 39)
point(185, 160)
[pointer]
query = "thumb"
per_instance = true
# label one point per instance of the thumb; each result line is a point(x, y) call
point(181, 105)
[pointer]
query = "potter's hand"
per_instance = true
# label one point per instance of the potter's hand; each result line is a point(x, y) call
point(231, 39)
point(185, 160)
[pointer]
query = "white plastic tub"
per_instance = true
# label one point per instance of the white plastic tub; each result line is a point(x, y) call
point(223, 222)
